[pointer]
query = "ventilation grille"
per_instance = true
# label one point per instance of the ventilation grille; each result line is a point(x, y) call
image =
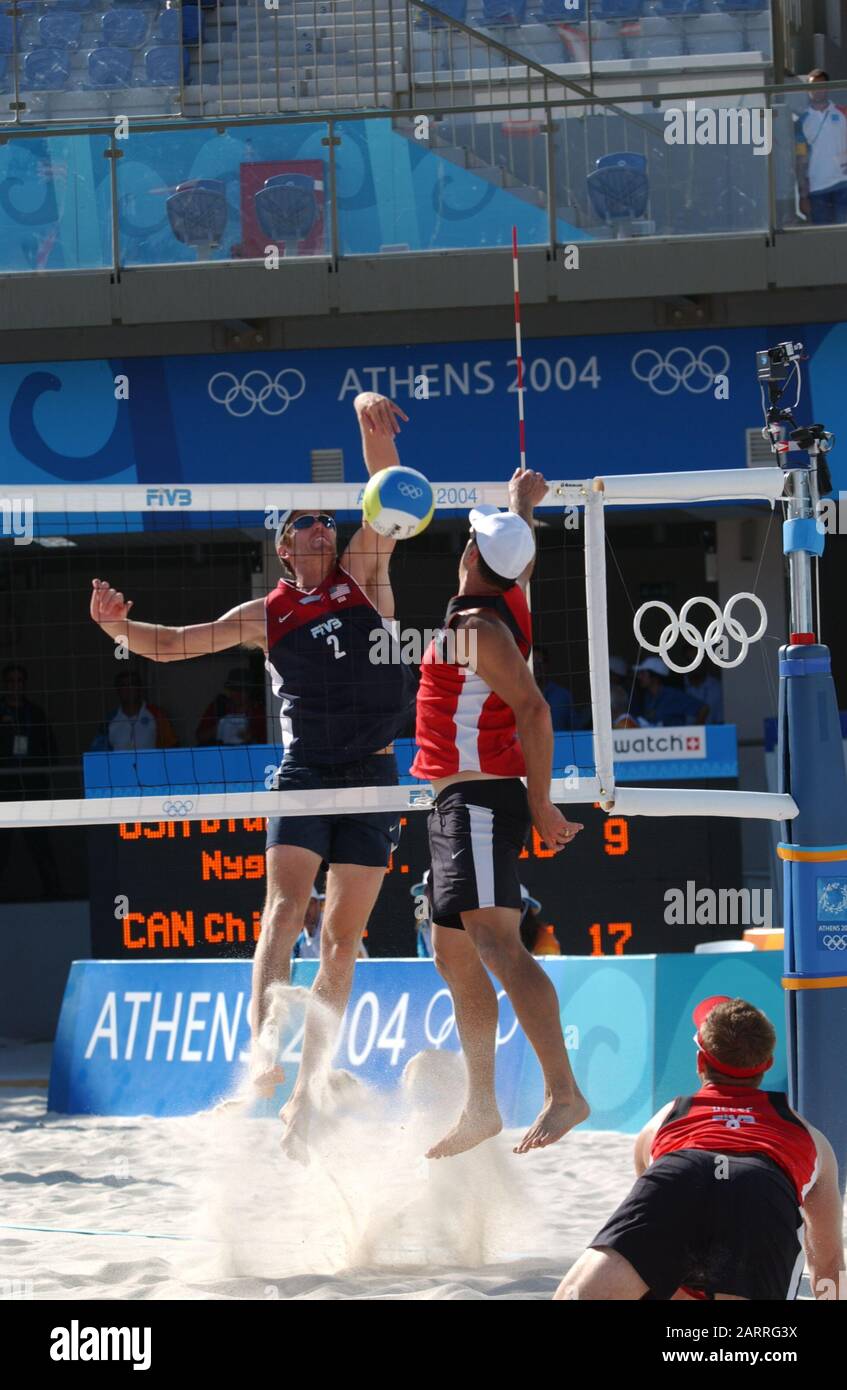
point(327, 465)
point(759, 450)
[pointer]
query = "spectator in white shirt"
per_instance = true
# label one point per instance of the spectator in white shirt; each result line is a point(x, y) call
point(822, 156)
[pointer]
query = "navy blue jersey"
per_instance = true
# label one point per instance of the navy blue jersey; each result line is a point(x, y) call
point(327, 648)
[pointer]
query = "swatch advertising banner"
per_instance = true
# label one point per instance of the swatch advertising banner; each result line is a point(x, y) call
point(617, 404)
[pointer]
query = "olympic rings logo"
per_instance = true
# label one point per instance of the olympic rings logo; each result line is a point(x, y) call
point(665, 375)
point(835, 943)
point(410, 490)
point(256, 389)
point(177, 808)
point(712, 642)
point(439, 1037)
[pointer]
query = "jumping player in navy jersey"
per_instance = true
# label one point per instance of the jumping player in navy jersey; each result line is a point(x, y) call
point(729, 1181)
point(340, 714)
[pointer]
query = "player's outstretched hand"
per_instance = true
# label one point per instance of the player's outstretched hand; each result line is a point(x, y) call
point(555, 829)
point(378, 414)
point(107, 605)
point(526, 489)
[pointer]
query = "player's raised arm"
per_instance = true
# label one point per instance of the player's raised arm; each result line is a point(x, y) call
point(368, 553)
point(241, 626)
point(527, 490)
point(495, 657)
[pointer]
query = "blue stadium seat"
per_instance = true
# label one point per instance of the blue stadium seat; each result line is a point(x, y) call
point(287, 208)
point(60, 29)
point(6, 34)
point(190, 22)
point(110, 69)
point(197, 212)
point(667, 8)
point(124, 28)
point(167, 27)
point(617, 9)
point(453, 9)
point(161, 66)
point(499, 13)
point(46, 70)
point(618, 187)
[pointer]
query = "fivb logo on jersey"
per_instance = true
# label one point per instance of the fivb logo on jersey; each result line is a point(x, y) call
point(82, 1343)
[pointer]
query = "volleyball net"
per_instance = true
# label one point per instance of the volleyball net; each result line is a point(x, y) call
point(104, 736)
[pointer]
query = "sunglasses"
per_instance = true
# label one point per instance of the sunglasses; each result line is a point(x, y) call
point(305, 523)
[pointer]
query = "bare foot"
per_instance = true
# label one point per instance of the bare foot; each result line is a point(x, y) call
point(554, 1120)
point(474, 1128)
point(264, 1083)
point(295, 1115)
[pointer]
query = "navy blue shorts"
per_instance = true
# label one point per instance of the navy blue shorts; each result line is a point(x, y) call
point(344, 839)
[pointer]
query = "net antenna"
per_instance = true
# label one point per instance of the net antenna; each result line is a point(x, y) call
point(519, 350)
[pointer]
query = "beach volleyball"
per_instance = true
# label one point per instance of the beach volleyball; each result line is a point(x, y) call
point(399, 503)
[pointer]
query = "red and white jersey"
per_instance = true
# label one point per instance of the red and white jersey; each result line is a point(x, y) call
point(462, 725)
point(741, 1119)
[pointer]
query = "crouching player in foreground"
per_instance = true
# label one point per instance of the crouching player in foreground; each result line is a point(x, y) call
point(729, 1180)
point(483, 725)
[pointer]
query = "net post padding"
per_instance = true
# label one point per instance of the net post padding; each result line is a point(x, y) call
point(697, 801)
point(723, 485)
point(598, 643)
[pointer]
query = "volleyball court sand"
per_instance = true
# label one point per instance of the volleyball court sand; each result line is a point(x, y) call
point(207, 1206)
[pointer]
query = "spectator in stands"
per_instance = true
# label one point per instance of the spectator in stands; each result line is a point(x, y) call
point(660, 703)
point(136, 723)
point(622, 715)
point(821, 147)
point(235, 716)
point(707, 688)
point(558, 697)
point(27, 752)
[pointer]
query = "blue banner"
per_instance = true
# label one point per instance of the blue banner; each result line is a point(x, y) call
point(619, 403)
point(171, 1037)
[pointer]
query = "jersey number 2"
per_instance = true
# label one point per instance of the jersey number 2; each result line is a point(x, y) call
point(333, 642)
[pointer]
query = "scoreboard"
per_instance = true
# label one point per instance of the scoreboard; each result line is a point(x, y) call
point(196, 888)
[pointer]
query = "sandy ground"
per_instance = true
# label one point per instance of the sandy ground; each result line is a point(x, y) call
point(208, 1207)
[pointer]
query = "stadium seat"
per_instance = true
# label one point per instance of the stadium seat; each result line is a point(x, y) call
point(46, 70)
point(60, 29)
point(453, 9)
point(190, 23)
point(606, 42)
point(167, 27)
point(161, 66)
point(714, 33)
point(6, 34)
point(110, 69)
point(499, 13)
point(617, 9)
point(287, 208)
point(124, 28)
point(618, 187)
point(197, 212)
point(670, 8)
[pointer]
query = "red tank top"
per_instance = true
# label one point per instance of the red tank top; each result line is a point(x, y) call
point(741, 1119)
point(462, 726)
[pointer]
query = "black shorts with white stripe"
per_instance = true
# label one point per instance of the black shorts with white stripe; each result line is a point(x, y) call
point(477, 830)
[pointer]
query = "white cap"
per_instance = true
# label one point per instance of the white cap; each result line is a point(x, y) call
point(618, 665)
point(505, 542)
point(654, 664)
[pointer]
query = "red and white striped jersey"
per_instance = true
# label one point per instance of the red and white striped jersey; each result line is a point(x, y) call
point(741, 1119)
point(462, 725)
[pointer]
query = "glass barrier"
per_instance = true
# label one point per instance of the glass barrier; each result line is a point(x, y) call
point(440, 183)
point(55, 203)
point(638, 171)
point(203, 195)
point(810, 168)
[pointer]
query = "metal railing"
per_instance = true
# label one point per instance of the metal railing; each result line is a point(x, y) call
point(182, 58)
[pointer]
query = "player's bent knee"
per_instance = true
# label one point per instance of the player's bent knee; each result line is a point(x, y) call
point(283, 917)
